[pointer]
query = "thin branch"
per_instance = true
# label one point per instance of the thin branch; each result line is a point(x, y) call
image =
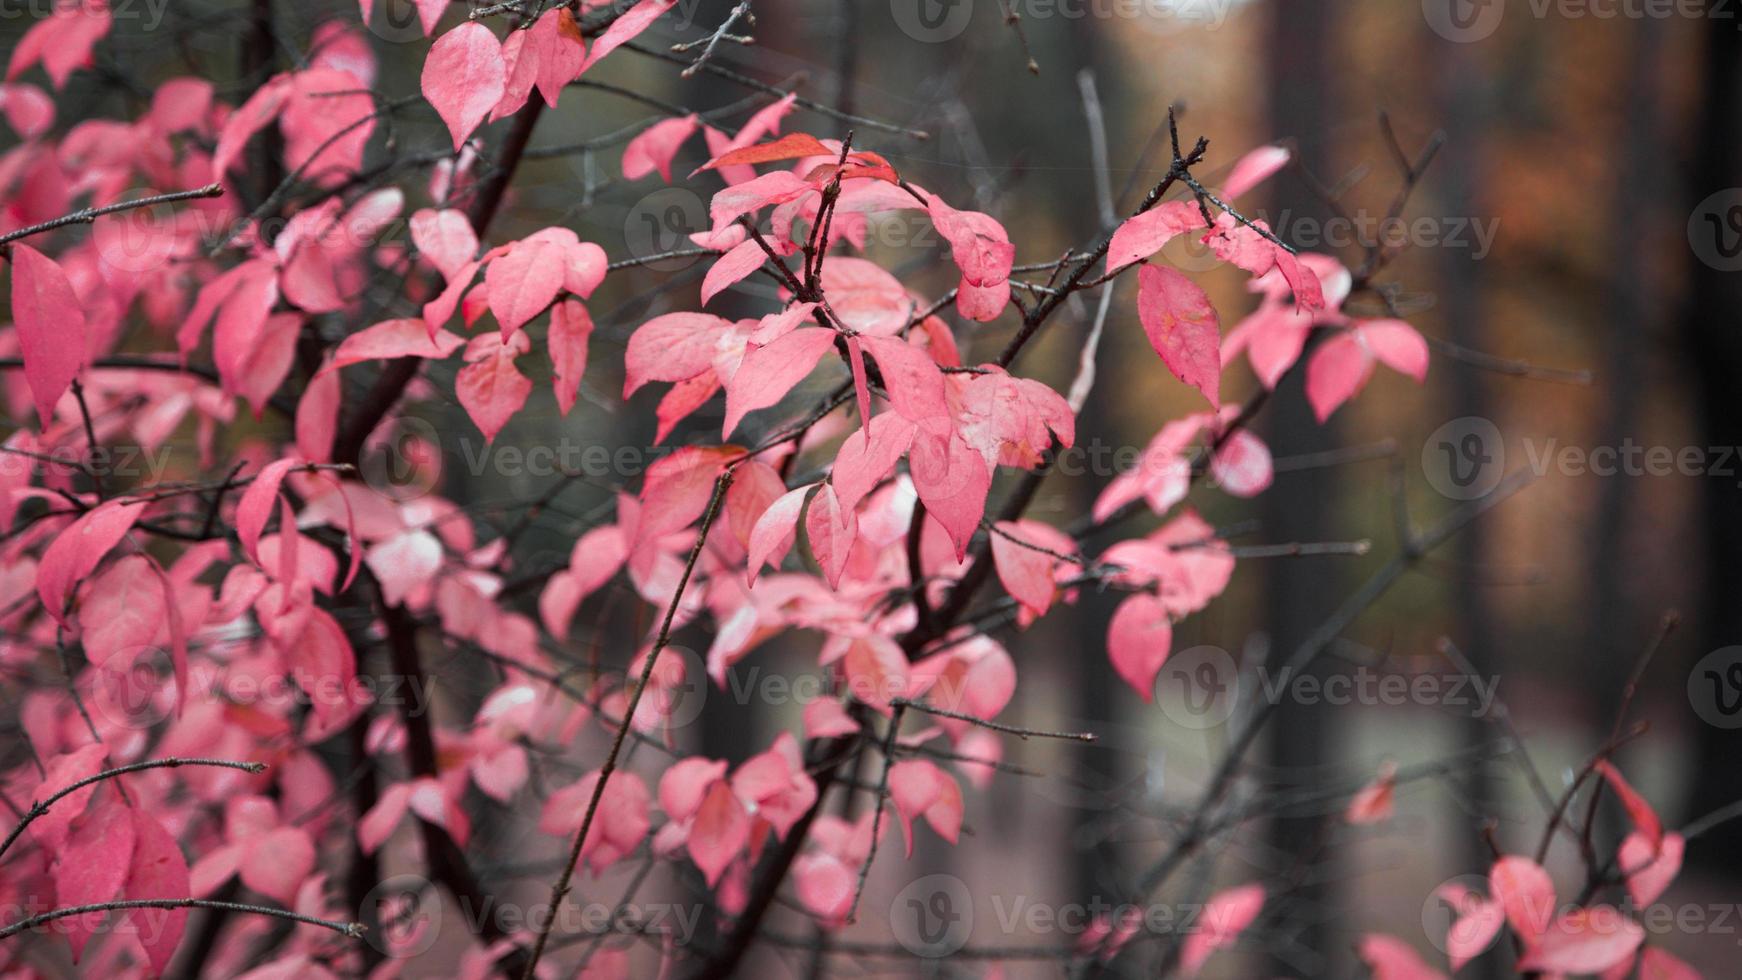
point(560, 890)
point(40, 807)
point(88, 215)
point(353, 930)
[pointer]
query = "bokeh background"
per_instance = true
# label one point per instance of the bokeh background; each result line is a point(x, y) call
point(1573, 252)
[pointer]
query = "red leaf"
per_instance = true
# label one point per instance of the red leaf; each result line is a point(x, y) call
point(1182, 327)
point(51, 327)
point(792, 146)
point(50, 829)
point(464, 77)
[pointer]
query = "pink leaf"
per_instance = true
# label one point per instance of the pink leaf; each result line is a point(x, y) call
point(317, 418)
point(831, 530)
point(673, 347)
point(1025, 571)
point(1588, 940)
point(390, 339)
point(92, 866)
point(1224, 918)
point(75, 552)
point(571, 326)
point(626, 28)
point(1143, 235)
point(445, 238)
point(276, 863)
point(744, 258)
point(1182, 327)
point(255, 507)
point(489, 387)
point(1397, 345)
point(768, 373)
point(1338, 371)
point(721, 830)
point(51, 327)
point(159, 870)
point(464, 77)
point(1138, 641)
point(1390, 958)
point(773, 534)
point(1638, 810)
point(1526, 892)
point(654, 147)
point(50, 829)
point(1253, 169)
point(524, 280)
point(952, 480)
point(864, 460)
point(405, 562)
point(1243, 466)
point(1649, 869)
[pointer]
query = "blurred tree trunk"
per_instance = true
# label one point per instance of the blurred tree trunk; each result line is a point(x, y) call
point(1713, 345)
point(1299, 592)
point(1465, 111)
point(1615, 636)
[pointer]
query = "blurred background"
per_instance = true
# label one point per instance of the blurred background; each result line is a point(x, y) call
point(1574, 254)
